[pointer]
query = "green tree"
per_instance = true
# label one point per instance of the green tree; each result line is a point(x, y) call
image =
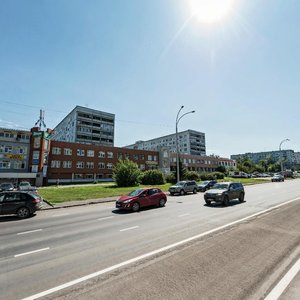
point(126, 173)
point(191, 175)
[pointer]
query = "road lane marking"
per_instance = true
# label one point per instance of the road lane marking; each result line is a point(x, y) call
point(284, 282)
point(31, 252)
point(184, 215)
point(150, 254)
point(130, 228)
point(60, 215)
point(30, 231)
point(105, 218)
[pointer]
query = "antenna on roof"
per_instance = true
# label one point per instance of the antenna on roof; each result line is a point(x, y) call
point(40, 122)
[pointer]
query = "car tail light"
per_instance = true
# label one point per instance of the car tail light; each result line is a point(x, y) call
point(36, 200)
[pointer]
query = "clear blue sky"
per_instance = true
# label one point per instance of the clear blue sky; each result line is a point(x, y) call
point(143, 59)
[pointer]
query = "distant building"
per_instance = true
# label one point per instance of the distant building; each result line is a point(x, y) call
point(190, 142)
point(86, 126)
point(289, 157)
point(14, 155)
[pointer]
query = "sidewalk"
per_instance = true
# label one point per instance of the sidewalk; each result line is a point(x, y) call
point(46, 205)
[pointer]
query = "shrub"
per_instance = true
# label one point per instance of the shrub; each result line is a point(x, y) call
point(126, 173)
point(152, 177)
point(191, 175)
point(170, 178)
point(219, 175)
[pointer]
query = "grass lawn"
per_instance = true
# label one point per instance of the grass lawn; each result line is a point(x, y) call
point(61, 194)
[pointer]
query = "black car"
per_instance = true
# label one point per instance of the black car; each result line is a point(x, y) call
point(6, 186)
point(224, 192)
point(22, 204)
point(206, 185)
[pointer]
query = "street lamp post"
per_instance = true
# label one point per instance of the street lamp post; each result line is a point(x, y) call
point(178, 118)
point(281, 162)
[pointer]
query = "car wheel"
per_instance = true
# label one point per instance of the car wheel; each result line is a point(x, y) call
point(135, 207)
point(208, 202)
point(23, 212)
point(195, 191)
point(162, 202)
point(241, 198)
point(181, 192)
point(225, 201)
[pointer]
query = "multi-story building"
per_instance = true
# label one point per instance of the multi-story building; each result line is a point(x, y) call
point(73, 162)
point(14, 155)
point(190, 142)
point(289, 157)
point(86, 126)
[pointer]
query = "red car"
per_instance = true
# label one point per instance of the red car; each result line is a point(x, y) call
point(141, 198)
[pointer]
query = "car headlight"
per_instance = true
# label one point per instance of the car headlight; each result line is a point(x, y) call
point(127, 201)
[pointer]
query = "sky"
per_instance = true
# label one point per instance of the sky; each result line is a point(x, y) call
point(143, 59)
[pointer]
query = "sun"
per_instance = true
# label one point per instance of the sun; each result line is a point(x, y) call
point(211, 11)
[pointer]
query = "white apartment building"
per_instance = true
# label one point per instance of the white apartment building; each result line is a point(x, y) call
point(86, 126)
point(190, 142)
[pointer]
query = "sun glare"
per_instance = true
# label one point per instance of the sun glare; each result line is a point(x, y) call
point(211, 11)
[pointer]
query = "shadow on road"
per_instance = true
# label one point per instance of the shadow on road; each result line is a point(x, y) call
point(220, 205)
point(9, 218)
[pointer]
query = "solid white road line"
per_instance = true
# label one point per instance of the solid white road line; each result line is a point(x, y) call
point(125, 229)
point(184, 215)
point(31, 252)
point(284, 282)
point(31, 231)
point(149, 254)
point(105, 218)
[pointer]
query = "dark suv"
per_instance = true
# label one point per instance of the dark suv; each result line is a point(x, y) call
point(224, 192)
point(23, 204)
point(184, 187)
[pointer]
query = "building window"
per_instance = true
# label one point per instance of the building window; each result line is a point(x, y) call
point(109, 165)
point(80, 165)
point(67, 164)
point(37, 142)
point(56, 151)
point(110, 154)
point(67, 151)
point(127, 156)
point(135, 157)
point(101, 154)
point(142, 167)
point(142, 157)
point(20, 150)
point(101, 165)
point(78, 176)
point(90, 153)
point(36, 155)
point(34, 168)
point(55, 164)
point(154, 157)
point(4, 164)
point(89, 176)
point(19, 165)
point(90, 165)
point(80, 152)
point(120, 155)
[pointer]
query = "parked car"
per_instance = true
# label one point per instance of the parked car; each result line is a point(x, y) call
point(206, 185)
point(6, 186)
point(26, 186)
point(22, 204)
point(141, 198)
point(277, 177)
point(184, 187)
point(224, 192)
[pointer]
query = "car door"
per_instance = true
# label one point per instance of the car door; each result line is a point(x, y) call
point(233, 191)
point(144, 199)
point(154, 197)
point(11, 202)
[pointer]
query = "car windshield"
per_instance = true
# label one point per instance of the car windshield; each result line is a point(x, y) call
point(6, 185)
point(24, 183)
point(180, 183)
point(136, 192)
point(221, 186)
point(204, 182)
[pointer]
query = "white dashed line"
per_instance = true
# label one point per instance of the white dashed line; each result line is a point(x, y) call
point(31, 231)
point(105, 218)
point(31, 252)
point(60, 215)
point(284, 282)
point(125, 229)
point(184, 215)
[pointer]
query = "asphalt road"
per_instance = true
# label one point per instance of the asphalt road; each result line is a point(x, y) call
point(242, 261)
